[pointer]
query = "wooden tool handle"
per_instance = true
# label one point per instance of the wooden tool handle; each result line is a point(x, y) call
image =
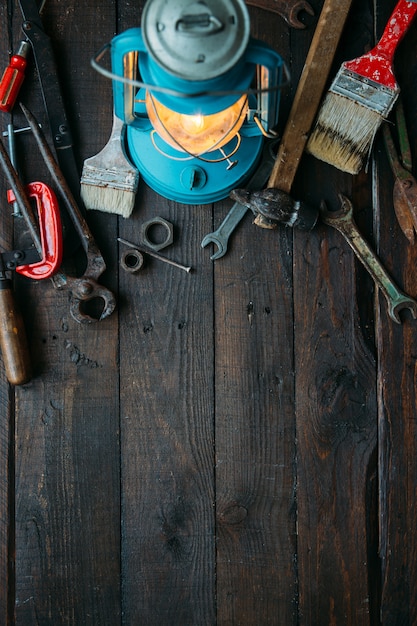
point(309, 92)
point(13, 342)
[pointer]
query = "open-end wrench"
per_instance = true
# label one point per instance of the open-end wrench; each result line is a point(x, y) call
point(342, 220)
point(288, 9)
point(220, 237)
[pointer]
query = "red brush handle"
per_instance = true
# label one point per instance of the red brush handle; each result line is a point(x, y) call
point(378, 63)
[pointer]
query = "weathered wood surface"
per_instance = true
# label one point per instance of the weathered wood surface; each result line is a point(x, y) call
point(232, 446)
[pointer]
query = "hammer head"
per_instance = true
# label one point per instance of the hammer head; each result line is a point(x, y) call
point(276, 206)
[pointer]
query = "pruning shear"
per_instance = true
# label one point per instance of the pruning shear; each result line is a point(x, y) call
point(65, 174)
point(405, 185)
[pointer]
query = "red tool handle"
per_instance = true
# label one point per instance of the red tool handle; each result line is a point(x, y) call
point(377, 63)
point(50, 232)
point(13, 77)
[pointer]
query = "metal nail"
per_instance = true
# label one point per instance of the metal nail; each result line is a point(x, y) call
point(154, 254)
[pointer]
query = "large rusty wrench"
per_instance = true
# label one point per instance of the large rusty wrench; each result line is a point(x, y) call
point(288, 9)
point(86, 287)
point(342, 220)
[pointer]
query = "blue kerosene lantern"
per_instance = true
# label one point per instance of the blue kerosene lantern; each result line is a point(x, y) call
point(197, 94)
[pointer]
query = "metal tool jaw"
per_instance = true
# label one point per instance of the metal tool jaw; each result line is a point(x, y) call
point(43, 54)
point(343, 221)
point(405, 184)
point(289, 10)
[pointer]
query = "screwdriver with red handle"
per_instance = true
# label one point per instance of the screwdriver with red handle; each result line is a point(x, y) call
point(13, 77)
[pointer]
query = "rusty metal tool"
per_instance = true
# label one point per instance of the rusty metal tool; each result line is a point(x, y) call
point(220, 237)
point(43, 54)
point(44, 57)
point(343, 221)
point(289, 10)
point(405, 185)
point(84, 288)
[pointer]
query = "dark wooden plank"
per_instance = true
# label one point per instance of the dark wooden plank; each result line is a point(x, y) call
point(254, 408)
point(67, 424)
point(397, 349)
point(335, 398)
point(168, 547)
point(255, 438)
point(336, 436)
point(6, 502)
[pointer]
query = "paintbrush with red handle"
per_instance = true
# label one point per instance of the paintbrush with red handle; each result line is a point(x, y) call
point(360, 98)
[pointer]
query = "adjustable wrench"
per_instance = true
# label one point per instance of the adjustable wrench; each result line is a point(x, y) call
point(342, 220)
point(220, 237)
point(288, 9)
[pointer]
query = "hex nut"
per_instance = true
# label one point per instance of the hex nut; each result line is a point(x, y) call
point(157, 221)
point(132, 261)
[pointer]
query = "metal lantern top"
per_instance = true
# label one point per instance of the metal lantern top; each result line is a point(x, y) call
point(196, 40)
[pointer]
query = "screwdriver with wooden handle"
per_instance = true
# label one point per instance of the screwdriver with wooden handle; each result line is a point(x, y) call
point(13, 340)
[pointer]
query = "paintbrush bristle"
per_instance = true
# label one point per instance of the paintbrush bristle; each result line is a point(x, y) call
point(108, 199)
point(351, 114)
point(109, 181)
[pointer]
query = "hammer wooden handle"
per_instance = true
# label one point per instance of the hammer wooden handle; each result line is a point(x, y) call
point(13, 342)
point(309, 92)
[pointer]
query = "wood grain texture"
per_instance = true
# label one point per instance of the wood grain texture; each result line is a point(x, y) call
point(67, 560)
point(336, 435)
point(167, 443)
point(255, 444)
point(336, 408)
point(397, 392)
point(233, 446)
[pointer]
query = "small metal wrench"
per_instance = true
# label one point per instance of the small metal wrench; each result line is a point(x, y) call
point(342, 220)
point(220, 237)
point(288, 9)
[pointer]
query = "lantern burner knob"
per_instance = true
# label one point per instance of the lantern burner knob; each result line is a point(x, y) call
point(193, 178)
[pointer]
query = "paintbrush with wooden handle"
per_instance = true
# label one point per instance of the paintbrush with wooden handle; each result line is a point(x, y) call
point(360, 99)
point(307, 97)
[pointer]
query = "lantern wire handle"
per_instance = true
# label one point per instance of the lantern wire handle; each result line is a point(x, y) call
point(271, 134)
point(191, 156)
point(95, 63)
